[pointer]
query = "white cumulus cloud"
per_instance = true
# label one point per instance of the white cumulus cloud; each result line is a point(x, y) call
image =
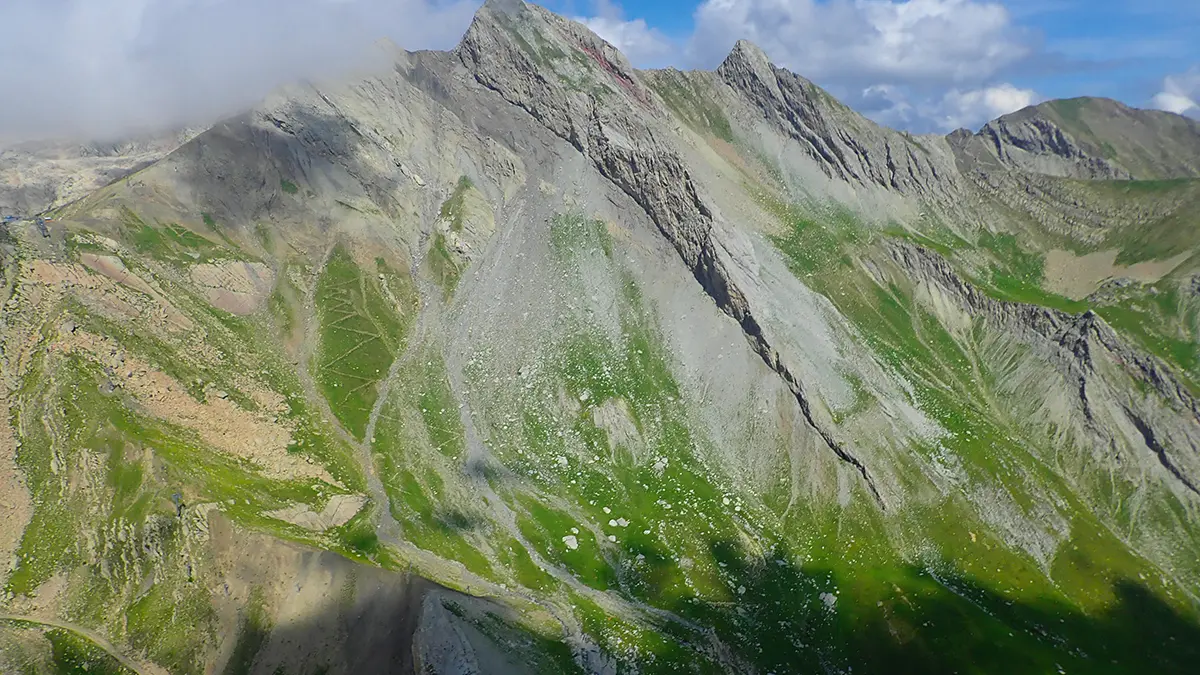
point(867, 41)
point(99, 67)
point(976, 106)
point(953, 109)
point(1180, 93)
point(923, 65)
point(642, 44)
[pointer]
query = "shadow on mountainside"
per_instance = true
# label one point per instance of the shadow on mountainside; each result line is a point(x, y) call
point(910, 619)
point(331, 615)
point(786, 620)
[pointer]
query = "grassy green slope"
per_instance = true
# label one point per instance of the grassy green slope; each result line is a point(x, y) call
point(1095, 584)
point(360, 335)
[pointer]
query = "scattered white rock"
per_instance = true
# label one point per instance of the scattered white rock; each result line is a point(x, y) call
point(571, 542)
point(829, 599)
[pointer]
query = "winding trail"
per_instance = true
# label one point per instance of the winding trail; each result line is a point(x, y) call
point(387, 528)
point(87, 634)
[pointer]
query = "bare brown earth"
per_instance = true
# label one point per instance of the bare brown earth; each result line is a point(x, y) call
point(1078, 276)
point(219, 422)
point(237, 287)
point(15, 506)
point(104, 286)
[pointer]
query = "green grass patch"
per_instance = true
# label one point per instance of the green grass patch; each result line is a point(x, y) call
point(428, 516)
point(693, 99)
point(944, 242)
point(572, 234)
point(174, 243)
point(1016, 289)
point(1136, 187)
point(814, 243)
point(360, 335)
point(452, 210)
point(419, 448)
point(1151, 219)
point(1146, 329)
point(545, 528)
point(253, 632)
point(288, 186)
point(439, 411)
point(170, 622)
point(1015, 260)
point(74, 655)
point(444, 265)
point(357, 536)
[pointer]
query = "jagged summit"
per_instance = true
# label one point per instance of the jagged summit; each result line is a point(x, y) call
point(745, 51)
point(1089, 138)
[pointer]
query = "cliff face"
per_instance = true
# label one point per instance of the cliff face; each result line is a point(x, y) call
point(542, 363)
point(848, 147)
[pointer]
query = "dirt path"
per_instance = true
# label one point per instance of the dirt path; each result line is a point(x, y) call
point(389, 532)
point(87, 634)
point(387, 528)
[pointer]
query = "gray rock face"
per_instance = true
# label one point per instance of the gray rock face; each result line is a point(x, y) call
point(846, 145)
point(1038, 145)
point(1094, 361)
point(537, 61)
point(623, 143)
point(1086, 138)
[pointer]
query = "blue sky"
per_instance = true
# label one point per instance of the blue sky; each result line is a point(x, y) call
point(923, 65)
point(931, 65)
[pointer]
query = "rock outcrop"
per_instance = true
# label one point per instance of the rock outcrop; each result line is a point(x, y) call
point(1085, 138)
point(623, 143)
point(1091, 358)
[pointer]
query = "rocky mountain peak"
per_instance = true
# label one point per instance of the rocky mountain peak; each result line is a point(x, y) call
point(746, 55)
point(651, 366)
point(533, 53)
point(1087, 138)
point(845, 145)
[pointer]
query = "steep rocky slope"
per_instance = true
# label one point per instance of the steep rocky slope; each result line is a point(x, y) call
point(517, 359)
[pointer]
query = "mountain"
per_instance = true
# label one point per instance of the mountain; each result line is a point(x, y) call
point(38, 175)
point(1089, 138)
point(518, 359)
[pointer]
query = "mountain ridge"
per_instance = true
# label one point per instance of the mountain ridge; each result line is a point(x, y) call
point(626, 371)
